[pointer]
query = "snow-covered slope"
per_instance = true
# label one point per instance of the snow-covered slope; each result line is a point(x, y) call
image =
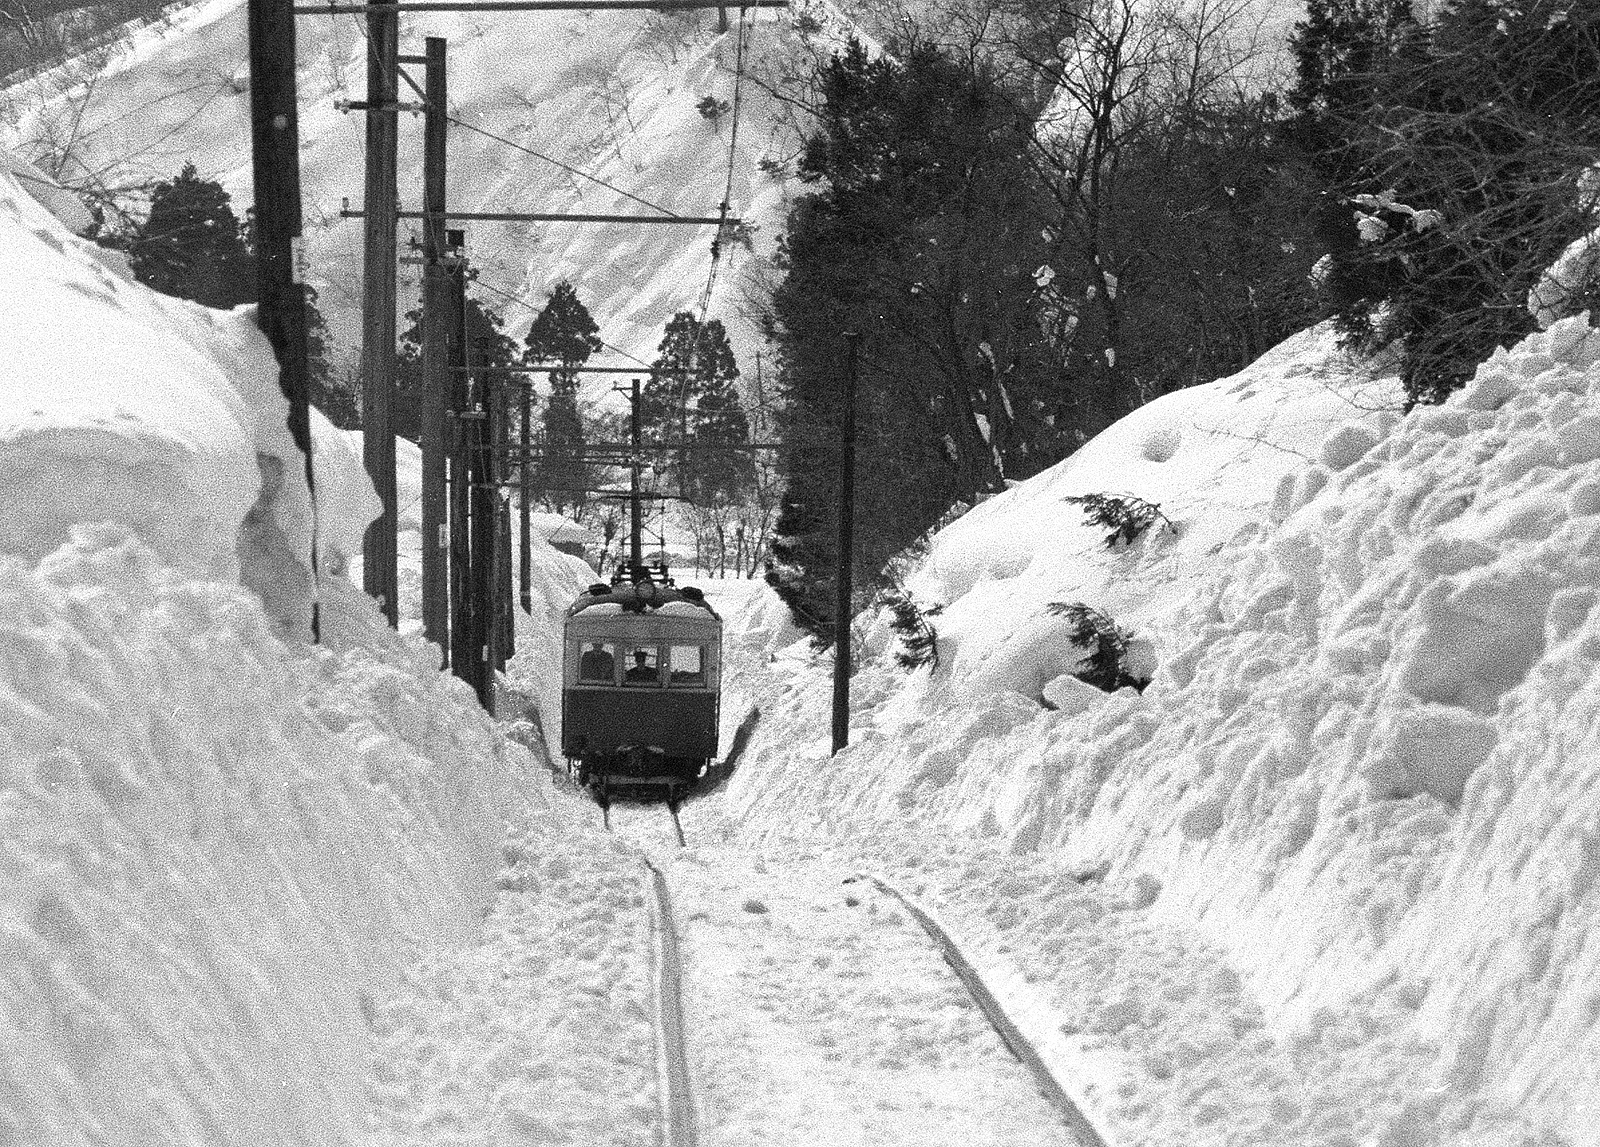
point(613, 95)
point(1332, 877)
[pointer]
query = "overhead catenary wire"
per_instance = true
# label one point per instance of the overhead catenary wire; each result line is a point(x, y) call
point(537, 154)
point(458, 122)
point(680, 399)
point(741, 41)
point(523, 303)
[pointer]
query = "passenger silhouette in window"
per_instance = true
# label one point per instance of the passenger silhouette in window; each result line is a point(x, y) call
point(597, 664)
point(643, 669)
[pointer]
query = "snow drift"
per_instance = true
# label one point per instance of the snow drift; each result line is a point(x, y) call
point(220, 846)
point(1363, 772)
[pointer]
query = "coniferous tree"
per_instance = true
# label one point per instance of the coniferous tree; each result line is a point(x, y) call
point(694, 367)
point(192, 245)
point(923, 234)
point(1466, 184)
point(338, 399)
point(565, 334)
point(490, 348)
point(718, 470)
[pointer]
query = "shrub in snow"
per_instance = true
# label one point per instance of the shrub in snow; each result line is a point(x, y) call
point(919, 641)
point(712, 108)
point(1123, 515)
point(1106, 643)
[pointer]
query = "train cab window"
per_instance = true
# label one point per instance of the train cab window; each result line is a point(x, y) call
point(687, 666)
point(644, 667)
point(598, 664)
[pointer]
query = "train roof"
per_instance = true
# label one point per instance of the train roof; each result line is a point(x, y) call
point(642, 598)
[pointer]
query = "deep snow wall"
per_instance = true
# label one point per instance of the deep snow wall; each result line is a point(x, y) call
point(1365, 766)
point(220, 845)
point(217, 852)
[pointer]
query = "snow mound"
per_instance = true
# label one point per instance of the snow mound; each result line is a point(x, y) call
point(220, 847)
point(215, 850)
point(1363, 771)
point(159, 414)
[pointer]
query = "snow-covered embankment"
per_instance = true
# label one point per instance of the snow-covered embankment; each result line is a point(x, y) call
point(1362, 777)
point(219, 844)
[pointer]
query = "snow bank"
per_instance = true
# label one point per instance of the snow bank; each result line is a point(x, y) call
point(132, 418)
point(159, 414)
point(217, 852)
point(220, 847)
point(1363, 772)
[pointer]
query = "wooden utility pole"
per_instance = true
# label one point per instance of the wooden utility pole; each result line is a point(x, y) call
point(459, 490)
point(437, 359)
point(505, 614)
point(379, 571)
point(471, 464)
point(636, 442)
point(842, 590)
point(493, 553)
point(275, 155)
point(475, 604)
point(479, 668)
point(524, 497)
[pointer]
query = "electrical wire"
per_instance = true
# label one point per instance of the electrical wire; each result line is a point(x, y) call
point(500, 139)
point(564, 166)
point(681, 399)
point(513, 299)
point(703, 306)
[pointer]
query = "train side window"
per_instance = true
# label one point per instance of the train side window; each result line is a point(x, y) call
point(598, 664)
point(644, 665)
point(687, 665)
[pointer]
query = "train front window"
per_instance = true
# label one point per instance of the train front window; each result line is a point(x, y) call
point(643, 667)
point(598, 663)
point(687, 665)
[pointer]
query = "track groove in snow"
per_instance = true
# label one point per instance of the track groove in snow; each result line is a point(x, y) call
point(1002, 1023)
point(677, 1100)
point(816, 1014)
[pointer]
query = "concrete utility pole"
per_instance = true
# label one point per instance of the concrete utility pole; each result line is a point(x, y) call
point(379, 571)
point(275, 155)
point(842, 589)
point(437, 360)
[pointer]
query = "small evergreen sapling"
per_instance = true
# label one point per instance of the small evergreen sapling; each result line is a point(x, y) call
point(1124, 516)
point(1106, 641)
point(919, 640)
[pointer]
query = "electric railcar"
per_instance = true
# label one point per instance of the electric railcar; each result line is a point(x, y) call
point(641, 680)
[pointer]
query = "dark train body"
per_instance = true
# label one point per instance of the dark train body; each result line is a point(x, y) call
point(641, 681)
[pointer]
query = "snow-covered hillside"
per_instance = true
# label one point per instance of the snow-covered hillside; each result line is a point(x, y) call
point(613, 95)
point(1332, 877)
